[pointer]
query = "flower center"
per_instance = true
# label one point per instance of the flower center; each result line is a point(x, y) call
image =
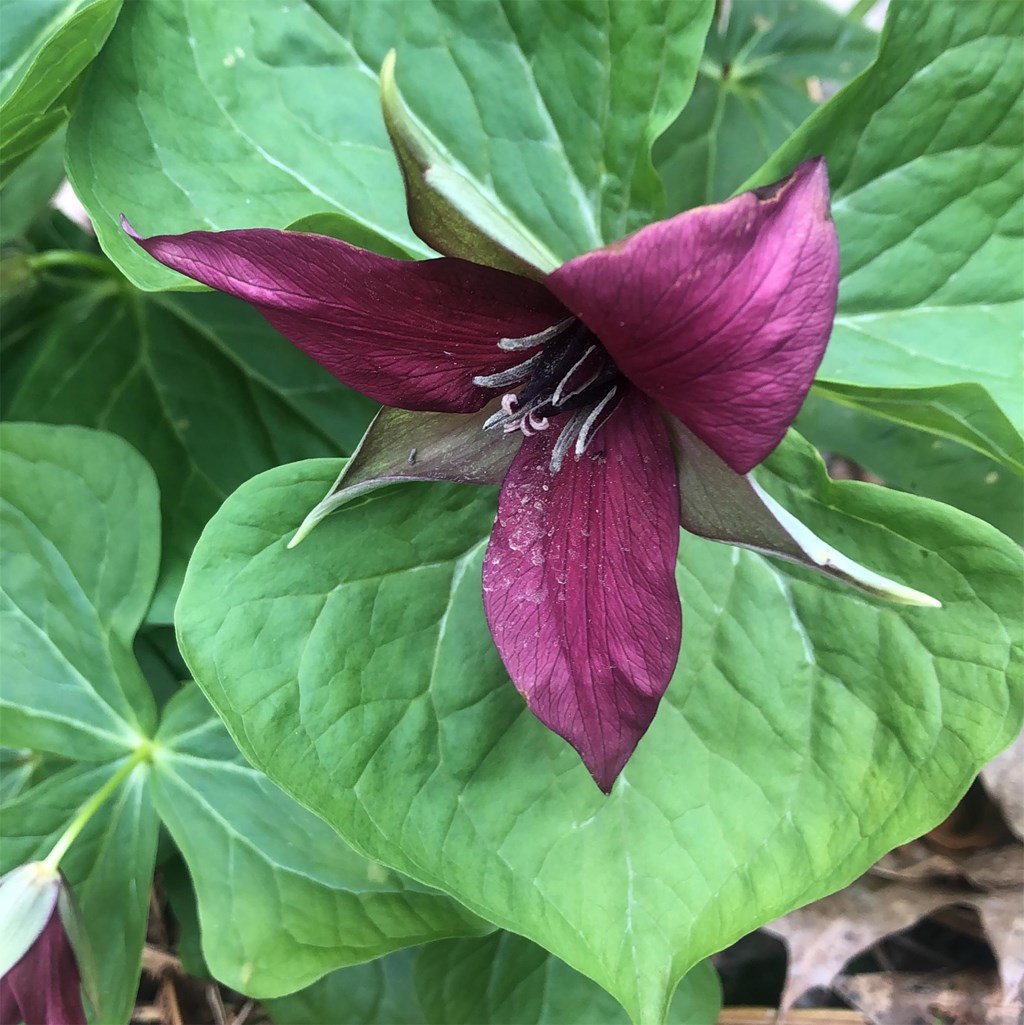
point(571, 374)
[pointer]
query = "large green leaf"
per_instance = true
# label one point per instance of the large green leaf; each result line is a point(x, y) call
point(376, 993)
point(752, 91)
point(504, 979)
point(501, 979)
point(45, 46)
point(282, 899)
point(808, 728)
point(225, 115)
point(79, 544)
point(109, 867)
point(924, 157)
point(25, 194)
point(919, 463)
point(201, 385)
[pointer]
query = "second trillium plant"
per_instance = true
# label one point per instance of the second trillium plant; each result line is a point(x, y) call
point(585, 390)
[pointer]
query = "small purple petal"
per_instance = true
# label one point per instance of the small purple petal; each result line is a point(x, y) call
point(721, 314)
point(408, 334)
point(44, 986)
point(579, 584)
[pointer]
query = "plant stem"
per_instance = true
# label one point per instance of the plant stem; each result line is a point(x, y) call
point(86, 812)
point(860, 10)
point(71, 258)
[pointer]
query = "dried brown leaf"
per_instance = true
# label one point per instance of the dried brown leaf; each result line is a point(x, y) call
point(825, 935)
point(994, 868)
point(1004, 780)
point(919, 998)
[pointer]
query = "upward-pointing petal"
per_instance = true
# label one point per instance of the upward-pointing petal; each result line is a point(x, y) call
point(721, 314)
point(408, 334)
point(579, 584)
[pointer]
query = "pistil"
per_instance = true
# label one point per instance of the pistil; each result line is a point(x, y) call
point(570, 374)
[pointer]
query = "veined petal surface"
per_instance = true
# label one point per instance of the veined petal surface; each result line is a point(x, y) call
point(411, 334)
point(579, 583)
point(721, 314)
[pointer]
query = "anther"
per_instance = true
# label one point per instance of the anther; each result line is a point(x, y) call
point(560, 395)
point(566, 438)
point(511, 376)
point(512, 344)
point(591, 425)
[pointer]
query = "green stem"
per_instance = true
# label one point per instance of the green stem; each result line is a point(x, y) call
point(860, 9)
point(71, 258)
point(86, 812)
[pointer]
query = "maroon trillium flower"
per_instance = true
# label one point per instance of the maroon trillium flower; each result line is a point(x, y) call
point(577, 390)
point(40, 982)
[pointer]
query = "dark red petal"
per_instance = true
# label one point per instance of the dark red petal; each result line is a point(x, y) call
point(721, 314)
point(408, 334)
point(44, 987)
point(579, 584)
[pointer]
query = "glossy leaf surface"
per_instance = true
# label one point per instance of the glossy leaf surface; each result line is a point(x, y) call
point(367, 651)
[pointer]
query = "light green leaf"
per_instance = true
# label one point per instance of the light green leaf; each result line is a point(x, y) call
point(25, 194)
point(109, 868)
point(808, 729)
point(201, 115)
point(46, 45)
point(924, 157)
point(504, 979)
point(752, 91)
point(917, 462)
point(278, 906)
point(201, 385)
point(79, 544)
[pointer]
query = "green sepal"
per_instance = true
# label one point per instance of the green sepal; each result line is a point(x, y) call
point(717, 503)
point(448, 209)
point(402, 446)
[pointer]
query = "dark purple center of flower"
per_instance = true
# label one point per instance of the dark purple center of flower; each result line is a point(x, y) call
point(571, 375)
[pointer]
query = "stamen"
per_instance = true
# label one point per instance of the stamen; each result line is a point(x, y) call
point(512, 344)
point(588, 430)
point(513, 375)
point(560, 394)
point(566, 438)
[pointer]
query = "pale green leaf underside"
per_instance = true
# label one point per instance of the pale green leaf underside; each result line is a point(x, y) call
point(808, 728)
point(47, 44)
